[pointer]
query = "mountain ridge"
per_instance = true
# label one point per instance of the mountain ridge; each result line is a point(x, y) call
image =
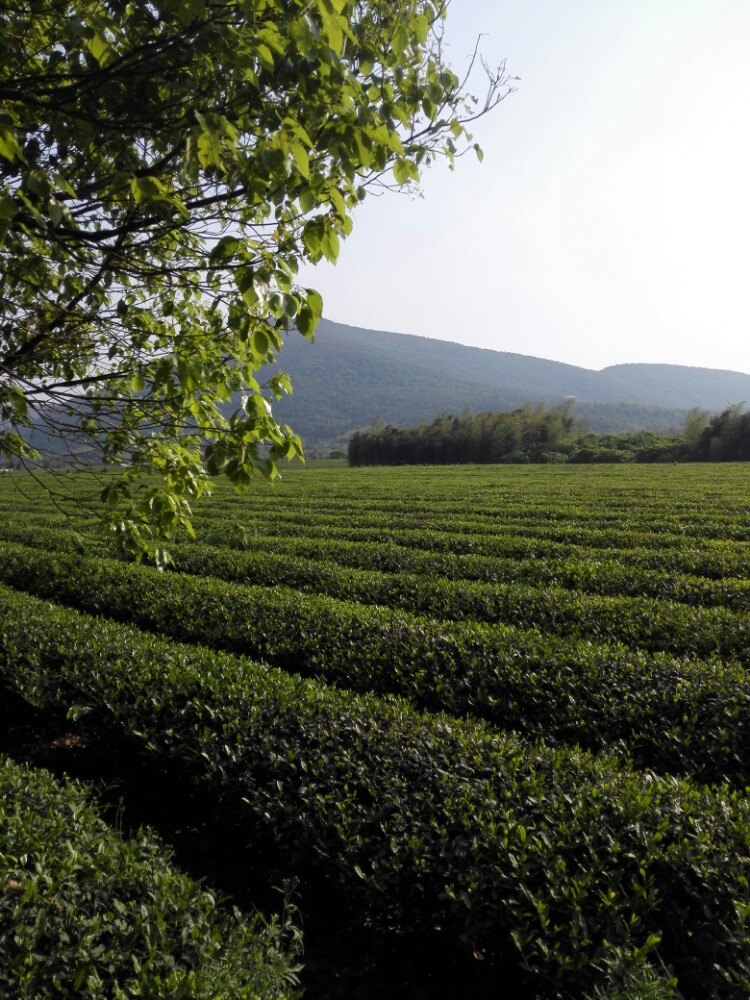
point(352, 375)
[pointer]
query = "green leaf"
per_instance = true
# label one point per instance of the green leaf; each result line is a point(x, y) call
point(330, 246)
point(337, 201)
point(301, 159)
point(266, 57)
point(17, 400)
point(421, 28)
point(388, 138)
point(400, 40)
point(245, 280)
point(307, 200)
point(401, 171)
point(55, 212)
point(63, 184)
point(315, 303)
point(9, 147)
point(332, 29)
point(283, 383)
point(260, 344)
point(311, 237)
point(148, 189)
point(405, 171)
point(225, 249)
point(8, 207)
point(100, 49)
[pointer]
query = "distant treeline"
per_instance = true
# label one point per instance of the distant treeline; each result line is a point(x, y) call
point(535, 433)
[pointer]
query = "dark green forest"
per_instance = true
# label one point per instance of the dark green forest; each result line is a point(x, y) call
point(540, 434)
point(350, 376)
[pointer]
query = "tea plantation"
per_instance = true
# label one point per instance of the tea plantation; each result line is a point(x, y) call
point(493, 718)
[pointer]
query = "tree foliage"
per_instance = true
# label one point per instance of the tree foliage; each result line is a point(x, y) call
point(725, 436)
point(528, 432)
point(165, 168)
point(537, 434)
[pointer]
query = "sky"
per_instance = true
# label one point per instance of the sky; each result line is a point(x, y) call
point(610, 219)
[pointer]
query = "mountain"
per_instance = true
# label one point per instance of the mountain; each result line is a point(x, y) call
point(350, 376)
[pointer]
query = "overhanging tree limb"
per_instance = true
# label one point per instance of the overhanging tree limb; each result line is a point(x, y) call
point(164, 170)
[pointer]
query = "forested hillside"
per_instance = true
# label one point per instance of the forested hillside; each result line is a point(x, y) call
point(351, 376)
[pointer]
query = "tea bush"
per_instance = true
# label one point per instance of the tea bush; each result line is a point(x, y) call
point(87, 912)
point(511, 846)
point(673, 713)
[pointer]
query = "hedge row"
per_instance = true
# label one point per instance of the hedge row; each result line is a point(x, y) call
point(639, 622)
point(323, 572)
point(442, 502)
point(478, 542)
point(552, 856)
point(85, 912)
point(466, 533)
point(672, 714)
point(456, 597)
point(472, 558)
point(544, 519)
point(727, 563)
point(677, 527)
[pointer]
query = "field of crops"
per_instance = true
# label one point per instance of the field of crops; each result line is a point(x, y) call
point(493, 722)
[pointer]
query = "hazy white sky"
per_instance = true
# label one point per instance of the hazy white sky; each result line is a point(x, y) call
point(610, 220)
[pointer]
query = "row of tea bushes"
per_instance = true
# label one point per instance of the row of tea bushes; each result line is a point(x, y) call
point(676, 516)
point(680, 715)
point(471, 535)
point(672, 528)
point(640, 622)
point(430, 553)
point(453, 505)
point(325, 571)
point(451, 598)
point(85, 912)
point(554, 856)
point(538, 524)
point(714, 562)
point(715, 490)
